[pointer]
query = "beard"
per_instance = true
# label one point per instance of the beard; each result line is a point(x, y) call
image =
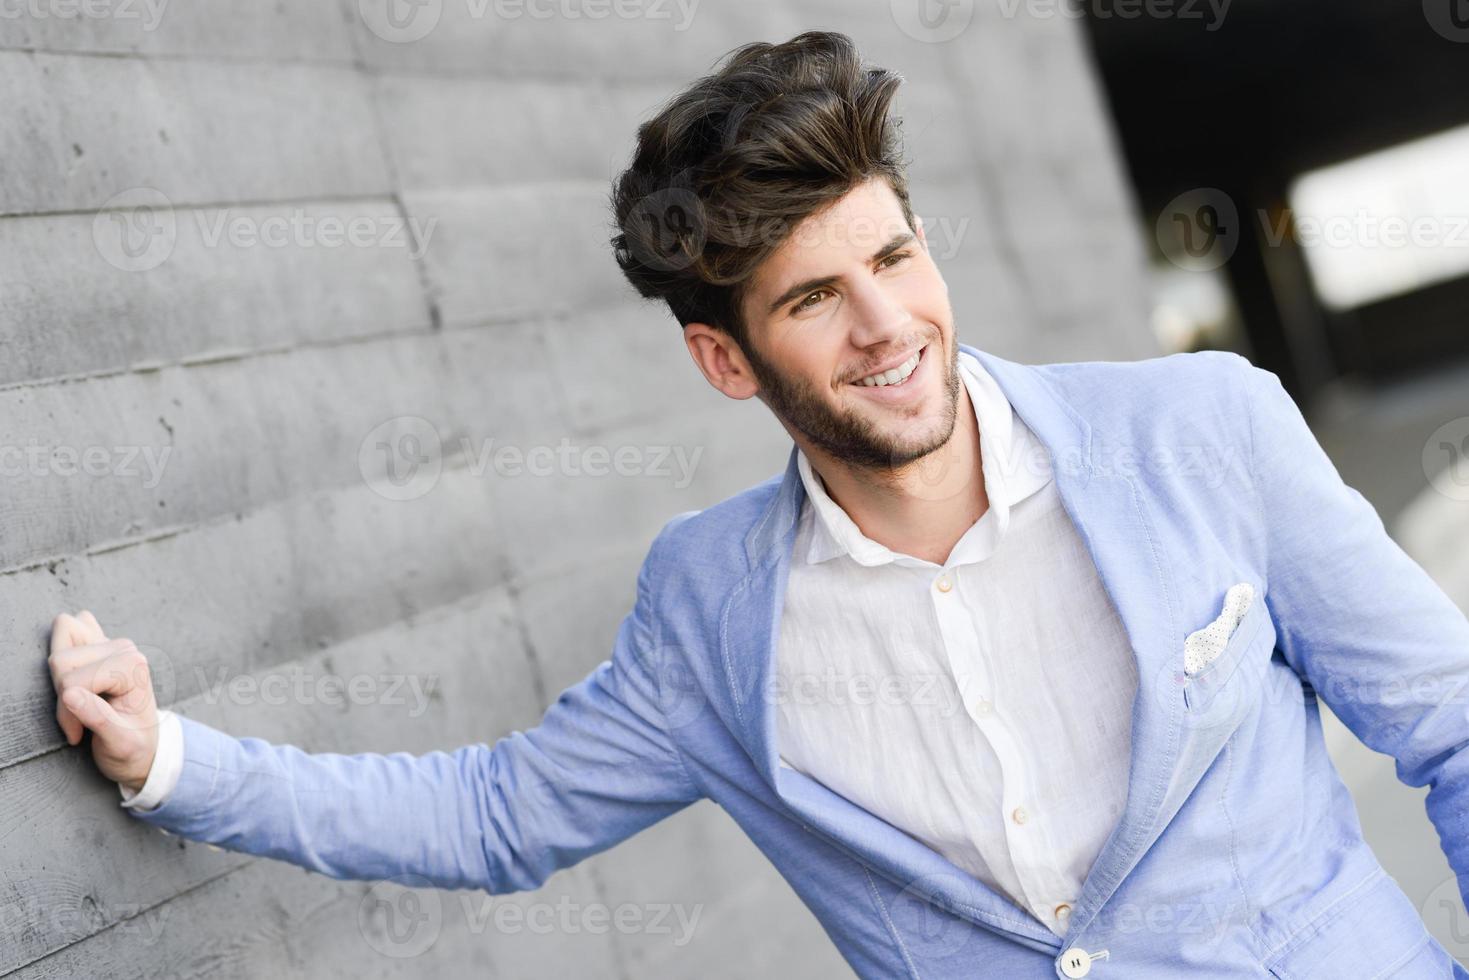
point(847, 435)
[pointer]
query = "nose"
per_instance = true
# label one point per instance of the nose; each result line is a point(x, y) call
point(877, 315)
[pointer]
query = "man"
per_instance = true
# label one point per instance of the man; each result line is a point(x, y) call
point(1013, 672)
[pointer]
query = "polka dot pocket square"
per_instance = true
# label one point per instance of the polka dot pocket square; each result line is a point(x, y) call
point(1204, 645)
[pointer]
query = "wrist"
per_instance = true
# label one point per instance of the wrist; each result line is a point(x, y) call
point(136, 780)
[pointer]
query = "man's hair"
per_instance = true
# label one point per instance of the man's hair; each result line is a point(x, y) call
point(728, 167)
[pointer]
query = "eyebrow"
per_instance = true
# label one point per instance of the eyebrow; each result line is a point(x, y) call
point(820, 282)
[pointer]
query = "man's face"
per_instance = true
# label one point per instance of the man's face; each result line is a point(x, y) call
point(835, 319)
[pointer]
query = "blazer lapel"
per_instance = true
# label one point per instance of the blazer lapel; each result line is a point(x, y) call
point(1110, 513)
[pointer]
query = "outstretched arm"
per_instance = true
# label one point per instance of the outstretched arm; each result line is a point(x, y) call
point(1379, 641)
point(598, 768)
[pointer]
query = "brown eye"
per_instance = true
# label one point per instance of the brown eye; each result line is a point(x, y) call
point(806, 303)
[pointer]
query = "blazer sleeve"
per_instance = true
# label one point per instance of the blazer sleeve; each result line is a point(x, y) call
point(1375, 636)
point(599, 767)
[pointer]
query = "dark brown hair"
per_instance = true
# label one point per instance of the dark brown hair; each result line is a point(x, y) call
point(729, 166)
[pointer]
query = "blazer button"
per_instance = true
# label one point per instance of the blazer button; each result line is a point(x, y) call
point(1076, 962)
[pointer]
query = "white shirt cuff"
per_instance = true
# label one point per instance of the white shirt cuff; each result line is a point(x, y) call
point(168, 763)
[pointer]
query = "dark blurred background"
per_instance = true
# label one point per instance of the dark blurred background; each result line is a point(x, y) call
point(1284, 139)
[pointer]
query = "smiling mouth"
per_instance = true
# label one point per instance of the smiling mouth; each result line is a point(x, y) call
point(893, 377)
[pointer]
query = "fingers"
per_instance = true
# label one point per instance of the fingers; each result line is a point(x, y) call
point(113, 667)
point(69, 660)
point(121, 669)
point(74, 643)
point(90, 710)
point(94, 628)
point(67, 633)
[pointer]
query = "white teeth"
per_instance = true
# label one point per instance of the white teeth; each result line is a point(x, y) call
point(892, 376)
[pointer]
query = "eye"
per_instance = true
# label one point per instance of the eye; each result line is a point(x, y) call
point(898, 256)
point(806, 303)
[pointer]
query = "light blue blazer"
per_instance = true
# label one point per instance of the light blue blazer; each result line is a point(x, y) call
point(1238, 853)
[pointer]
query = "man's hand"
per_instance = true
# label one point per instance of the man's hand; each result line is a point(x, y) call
point(104, 686)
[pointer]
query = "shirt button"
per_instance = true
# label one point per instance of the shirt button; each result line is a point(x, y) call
point(1076, 962)
point(983, 707)
point(1019, 815)
point(943, 584)
point(1063, 911)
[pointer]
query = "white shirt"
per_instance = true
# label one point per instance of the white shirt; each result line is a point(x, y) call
point(983, 706)
point(991, 720)
point(168, 764)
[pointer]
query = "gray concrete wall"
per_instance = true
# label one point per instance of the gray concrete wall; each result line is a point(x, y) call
point(211, 410)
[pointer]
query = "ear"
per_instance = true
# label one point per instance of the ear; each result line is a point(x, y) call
point(720, 360)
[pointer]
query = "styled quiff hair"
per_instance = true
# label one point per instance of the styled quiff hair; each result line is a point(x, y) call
point(728, 167)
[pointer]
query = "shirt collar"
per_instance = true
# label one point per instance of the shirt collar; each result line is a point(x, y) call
point(1015, 465)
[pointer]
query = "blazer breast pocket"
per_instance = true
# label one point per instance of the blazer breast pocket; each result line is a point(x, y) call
point(1212, 654)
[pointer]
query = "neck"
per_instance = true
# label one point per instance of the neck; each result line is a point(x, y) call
point(921, 509)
